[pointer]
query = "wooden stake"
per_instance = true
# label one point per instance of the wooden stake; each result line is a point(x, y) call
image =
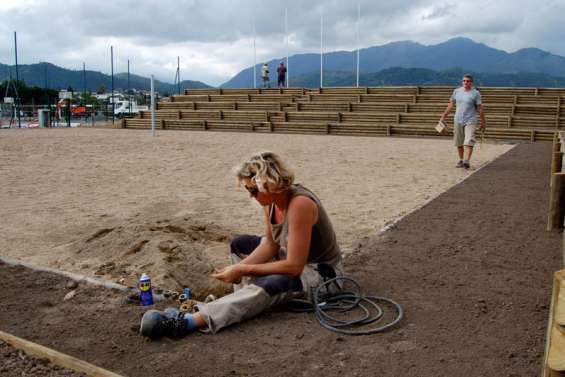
point(555, 216)
point(56, 357)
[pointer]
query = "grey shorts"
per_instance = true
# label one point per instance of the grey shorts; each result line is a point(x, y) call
point(464, 134)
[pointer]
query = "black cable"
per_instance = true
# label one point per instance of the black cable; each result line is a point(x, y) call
point(343, 302)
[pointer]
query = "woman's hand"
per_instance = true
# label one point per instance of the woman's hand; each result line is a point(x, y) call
point(230, 274)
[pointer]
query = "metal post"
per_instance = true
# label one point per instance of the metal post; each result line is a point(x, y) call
point(322, 50)
point(129, 94)
point(48, 98)
point(69, 104)
point(17, 81)
point(358, 20)
point(152, 107)
point(84, 82)
point(178, 74)
point(286, 33)
point(112, 68)
point(45, 75)
point(254, 57)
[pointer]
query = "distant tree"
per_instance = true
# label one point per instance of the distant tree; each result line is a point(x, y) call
point(101, 90)
point(29, 94)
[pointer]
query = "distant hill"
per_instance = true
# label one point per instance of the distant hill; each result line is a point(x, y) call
point(423, 77)
point(462, 53)
point(55, 77)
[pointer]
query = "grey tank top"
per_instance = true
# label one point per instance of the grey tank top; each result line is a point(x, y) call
point(323, 243)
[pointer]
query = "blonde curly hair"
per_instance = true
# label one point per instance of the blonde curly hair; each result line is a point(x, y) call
point(269, 172)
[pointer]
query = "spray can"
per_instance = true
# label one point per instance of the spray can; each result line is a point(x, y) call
point(145, 291)
point(187, 292)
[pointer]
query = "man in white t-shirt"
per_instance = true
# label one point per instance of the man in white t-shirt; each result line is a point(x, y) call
point(468, 103)
point(265, 75)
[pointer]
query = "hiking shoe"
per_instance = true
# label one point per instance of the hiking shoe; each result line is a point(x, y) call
point(466, 165)
point(460, 164)
point(170, 322)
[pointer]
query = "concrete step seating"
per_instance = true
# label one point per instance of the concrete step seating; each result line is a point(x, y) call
point(523, 113)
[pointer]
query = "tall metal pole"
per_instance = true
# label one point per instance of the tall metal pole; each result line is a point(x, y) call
point(83, 82)
point(17, 81)
point(112, 68)
point(254, 57)
point(45, 75)
point(286, 33)
point(322, 50)
point(178, 74)
point(152, 107)
point(129, 94)
point(358, 20)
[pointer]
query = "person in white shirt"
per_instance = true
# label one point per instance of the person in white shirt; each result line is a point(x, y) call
point(468, 102)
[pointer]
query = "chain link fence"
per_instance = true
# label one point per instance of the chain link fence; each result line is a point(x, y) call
point(65, 114)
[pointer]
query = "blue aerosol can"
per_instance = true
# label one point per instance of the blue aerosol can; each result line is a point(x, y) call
point(187, 292)
point(145, 291)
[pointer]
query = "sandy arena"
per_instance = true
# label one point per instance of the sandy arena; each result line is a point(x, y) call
point(472, 268)
point(116, 203)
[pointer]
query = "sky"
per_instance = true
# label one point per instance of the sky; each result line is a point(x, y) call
point(214, 38)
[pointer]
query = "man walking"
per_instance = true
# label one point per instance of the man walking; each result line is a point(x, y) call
point(281, 70)
point(468, 103)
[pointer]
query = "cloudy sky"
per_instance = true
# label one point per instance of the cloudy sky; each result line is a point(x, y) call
point(214, 38)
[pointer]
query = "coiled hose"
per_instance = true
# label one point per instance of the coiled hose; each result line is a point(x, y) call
point(344, 302)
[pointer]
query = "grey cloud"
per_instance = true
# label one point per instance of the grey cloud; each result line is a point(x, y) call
point(217, 33)
point(440, 11)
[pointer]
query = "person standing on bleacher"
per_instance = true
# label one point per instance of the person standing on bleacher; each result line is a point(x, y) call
point(265, 76)
point(281, 71)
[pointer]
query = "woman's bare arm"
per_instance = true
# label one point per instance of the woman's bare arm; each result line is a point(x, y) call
point(267, 249)
point(302, 215)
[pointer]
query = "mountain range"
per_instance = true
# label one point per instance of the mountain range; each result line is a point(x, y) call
point(396, 63)
point(462, 53)
point(51, 76)
point(427, 77)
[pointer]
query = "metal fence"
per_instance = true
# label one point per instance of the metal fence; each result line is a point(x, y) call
point(57, 115)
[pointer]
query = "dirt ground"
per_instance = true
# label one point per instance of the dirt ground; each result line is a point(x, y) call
point(117, 203)
point(15, 363)
point(472, 269)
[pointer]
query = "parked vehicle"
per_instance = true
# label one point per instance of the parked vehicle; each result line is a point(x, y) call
point(125, 108)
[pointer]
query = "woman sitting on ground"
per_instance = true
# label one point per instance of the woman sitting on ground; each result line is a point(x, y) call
point(298, 251)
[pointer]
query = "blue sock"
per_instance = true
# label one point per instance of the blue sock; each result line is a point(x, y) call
point(190, 323)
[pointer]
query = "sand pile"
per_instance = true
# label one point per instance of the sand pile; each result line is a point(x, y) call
point(176, 252)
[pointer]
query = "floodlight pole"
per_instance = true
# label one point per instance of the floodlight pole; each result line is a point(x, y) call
point(286, 34)
point(152, 107)
point(254, 57)
point(322, 50)
point(84, 82)
point(178, 74)
point(17, 81)
point(358, 21)
point(112, 68)
point(129, 94)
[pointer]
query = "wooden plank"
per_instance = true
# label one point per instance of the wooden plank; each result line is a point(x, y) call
point(559, 302)
point(557, 279)
point(555, 216)
point(56, 357)
point(556, 353)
